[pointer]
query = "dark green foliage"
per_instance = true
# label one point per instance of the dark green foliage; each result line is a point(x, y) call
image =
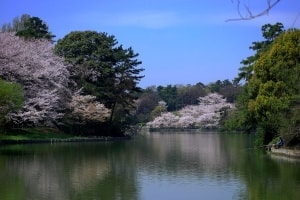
point(269, 32)
point(169, 95)
point(35, 28)
point(271, 93)
point(226, 88)
point(146, 102)
point(242, 119)
point(188, 95)
point(156, 100)
point(276, 86)
point(104, 69)
point(215, 87)
point(177, 97)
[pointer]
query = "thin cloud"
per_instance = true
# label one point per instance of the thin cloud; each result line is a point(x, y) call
point(140, 19)
point(147, 19)
point(169, 19)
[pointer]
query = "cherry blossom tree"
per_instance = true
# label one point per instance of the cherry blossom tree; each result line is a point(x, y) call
point(85, 108)
point(206, 114)
point(44, 77)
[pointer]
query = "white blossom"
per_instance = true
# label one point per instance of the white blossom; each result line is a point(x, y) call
point(44, 77)
point(86, 108)
point(205, 115)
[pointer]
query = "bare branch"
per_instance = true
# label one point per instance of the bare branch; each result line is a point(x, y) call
point(270, 4)
point(295, 20)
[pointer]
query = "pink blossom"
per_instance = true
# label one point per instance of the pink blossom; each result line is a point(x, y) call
point(44, 77)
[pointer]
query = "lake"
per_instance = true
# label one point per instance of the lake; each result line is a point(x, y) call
point(183, 165)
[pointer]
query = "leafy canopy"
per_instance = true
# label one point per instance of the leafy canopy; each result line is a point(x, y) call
point(269, 33)
point(275, 84)
point(104, 69)
point(270, 101)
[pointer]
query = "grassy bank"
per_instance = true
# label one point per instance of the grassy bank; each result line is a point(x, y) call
point(32, 133)
point(47, 135)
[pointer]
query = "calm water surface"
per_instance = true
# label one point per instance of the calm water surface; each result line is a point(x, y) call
point(153, 166)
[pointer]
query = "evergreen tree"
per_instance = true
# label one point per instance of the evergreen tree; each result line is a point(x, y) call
point(35, 28)
point(169, 94)
point(269, 103)
point(242, 119)
point(104, 69)
point(269, 32)
point(274, 87)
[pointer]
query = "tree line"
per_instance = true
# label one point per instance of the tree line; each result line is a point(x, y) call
point(98, 81)
point(157, 99)
point(99, 74)
point(88, 82)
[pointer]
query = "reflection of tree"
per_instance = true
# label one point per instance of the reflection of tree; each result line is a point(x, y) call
point(113, 170)
point(72, 172)
point(223, 157)
point(267, 178)
point(10, 186)
point(264, 177)
point(36, 176)
point(180, 154)
point(114, 177)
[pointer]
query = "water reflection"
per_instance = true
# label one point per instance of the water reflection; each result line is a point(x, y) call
point(177, 165)
point(189, 166)
point(69, 171)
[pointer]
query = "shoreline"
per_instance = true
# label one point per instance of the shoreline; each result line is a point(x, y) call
point(287, 152)
point(62, 140)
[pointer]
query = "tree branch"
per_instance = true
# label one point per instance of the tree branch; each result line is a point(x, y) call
point(270, 4)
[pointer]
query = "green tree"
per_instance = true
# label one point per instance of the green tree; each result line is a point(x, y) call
point(216, 86)
point(188, 95)
point(242, 119)
point(230, 91)
point(17, 24)
point(169, 95)
point(269, 33)
point(274, 86)
point(11, 98)
point(104, 69)
point(270, 101)
point(158, 110)
point(146, 102)
point(35, 28)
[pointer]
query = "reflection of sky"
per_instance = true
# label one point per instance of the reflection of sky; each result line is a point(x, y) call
point(166, 187)
point(156, 166)
point(186, 166)
point(202, 152)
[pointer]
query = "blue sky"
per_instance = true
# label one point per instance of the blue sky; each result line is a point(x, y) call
point(179, 41)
